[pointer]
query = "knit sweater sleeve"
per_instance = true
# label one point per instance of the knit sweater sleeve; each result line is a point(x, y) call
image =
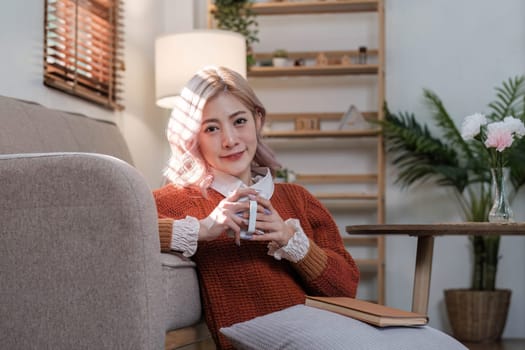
point(173, 206)
point(327, 269)
point(165, 233)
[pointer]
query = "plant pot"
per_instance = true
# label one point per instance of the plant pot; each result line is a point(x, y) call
point(280, 61)
point(477, 316)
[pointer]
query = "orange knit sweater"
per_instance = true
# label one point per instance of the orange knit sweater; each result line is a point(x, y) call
point(240, 283)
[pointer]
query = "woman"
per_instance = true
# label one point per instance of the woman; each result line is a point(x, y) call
point(221, 177)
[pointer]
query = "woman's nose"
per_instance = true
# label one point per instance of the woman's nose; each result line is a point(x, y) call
point(229, 138)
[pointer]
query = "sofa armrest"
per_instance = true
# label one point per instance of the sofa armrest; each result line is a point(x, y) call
point(79, 254)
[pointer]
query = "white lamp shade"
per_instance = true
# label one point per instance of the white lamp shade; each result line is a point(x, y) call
point(179, 56)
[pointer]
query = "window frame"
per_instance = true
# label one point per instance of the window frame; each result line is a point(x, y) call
point(83, 49)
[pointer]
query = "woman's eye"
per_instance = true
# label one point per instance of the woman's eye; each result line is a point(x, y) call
point(211, 128)
point(240, 121)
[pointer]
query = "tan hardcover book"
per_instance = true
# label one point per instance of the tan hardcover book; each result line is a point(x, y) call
point(375, 314)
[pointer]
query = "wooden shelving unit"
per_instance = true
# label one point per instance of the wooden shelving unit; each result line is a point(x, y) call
point(321, 133)
point(335, 178)
point(313, 7)
point(375, 200)
point(339, 178)
point(313, 70)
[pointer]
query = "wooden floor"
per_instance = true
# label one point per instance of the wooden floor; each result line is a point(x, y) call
point(191, 338)
point(505, 344)
point(203, 345)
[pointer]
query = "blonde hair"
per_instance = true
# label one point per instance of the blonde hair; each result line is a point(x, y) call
point(187, 166)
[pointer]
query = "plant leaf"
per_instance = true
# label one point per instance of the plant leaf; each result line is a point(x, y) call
point(447, 125)
point(510, 98)
point(419, 155)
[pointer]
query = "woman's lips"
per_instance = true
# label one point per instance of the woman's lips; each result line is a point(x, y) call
point(234, 156)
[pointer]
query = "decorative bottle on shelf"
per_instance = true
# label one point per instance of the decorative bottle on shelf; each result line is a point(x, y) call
point(362, 56)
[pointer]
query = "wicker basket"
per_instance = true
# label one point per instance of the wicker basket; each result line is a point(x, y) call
point(477, 316)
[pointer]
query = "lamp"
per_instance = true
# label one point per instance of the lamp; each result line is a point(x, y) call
point(179, 56)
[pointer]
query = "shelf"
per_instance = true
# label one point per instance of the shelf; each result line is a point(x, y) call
point(346, 196)
point(369, 263)
point(330, 54)
point(335, 69)
point(334, 178)
point(355, 206)
point(361, 241)
point(315, 7)
point(321, 133)
point(372, 131)
point(320, 115)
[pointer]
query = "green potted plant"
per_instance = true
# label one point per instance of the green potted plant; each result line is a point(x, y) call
point(464, 166)
point(237, 16)
point(284, 175)
point(280, 58)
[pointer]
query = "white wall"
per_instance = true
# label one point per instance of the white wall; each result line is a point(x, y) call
point(142, 123)
point(461, 50)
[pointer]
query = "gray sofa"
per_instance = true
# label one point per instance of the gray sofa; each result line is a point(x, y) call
point(80, 265)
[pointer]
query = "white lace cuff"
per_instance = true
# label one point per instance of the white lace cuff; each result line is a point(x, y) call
point(297, 246)
point(185, 235)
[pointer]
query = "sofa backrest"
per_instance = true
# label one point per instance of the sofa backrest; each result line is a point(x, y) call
point(27, 127)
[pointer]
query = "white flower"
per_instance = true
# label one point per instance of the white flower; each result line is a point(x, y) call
point(472, 125)
point(515, 126)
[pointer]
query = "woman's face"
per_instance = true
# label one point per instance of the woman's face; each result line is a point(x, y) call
point(228, 136)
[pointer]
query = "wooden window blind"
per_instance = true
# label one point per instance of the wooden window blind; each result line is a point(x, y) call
point(83, 49)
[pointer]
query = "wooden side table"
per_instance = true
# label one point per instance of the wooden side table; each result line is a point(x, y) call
point(425, 234)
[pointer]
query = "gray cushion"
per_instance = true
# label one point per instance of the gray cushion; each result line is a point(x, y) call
point(304, 327)
point(183, 306)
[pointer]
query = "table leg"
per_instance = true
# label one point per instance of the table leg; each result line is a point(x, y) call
point(425, 247)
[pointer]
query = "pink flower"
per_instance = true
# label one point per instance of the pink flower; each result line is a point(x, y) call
point(498, 136)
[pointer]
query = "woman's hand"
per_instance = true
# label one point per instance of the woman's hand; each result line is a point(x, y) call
point(226, 216)
point(271, 223)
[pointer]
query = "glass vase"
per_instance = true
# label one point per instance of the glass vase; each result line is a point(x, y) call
point(501, 210)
